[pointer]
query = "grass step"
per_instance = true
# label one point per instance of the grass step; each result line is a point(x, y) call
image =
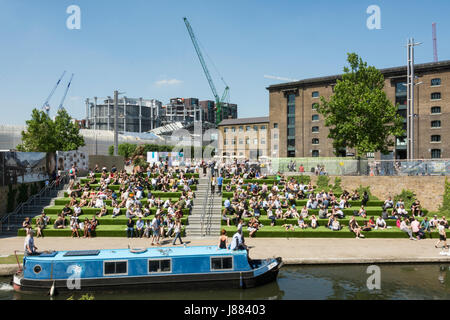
point(63, 201)
point(105, 220)
point(372, 203)
point(117, 187)
point(55, 210)
point(187, 175)
point(111, 231)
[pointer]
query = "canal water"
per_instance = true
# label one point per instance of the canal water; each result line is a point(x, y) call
point(423, 281)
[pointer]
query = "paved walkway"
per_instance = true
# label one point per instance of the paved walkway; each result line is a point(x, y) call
point(293, 251)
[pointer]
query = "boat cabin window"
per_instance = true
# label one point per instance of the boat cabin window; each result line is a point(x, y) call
point(164, 265)
point(222, 263)
point(116, 267)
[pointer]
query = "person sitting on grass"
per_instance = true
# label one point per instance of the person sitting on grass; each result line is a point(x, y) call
point(103, 212)
point(139, 227)
point(116, 211)
point(388, 203)
point(380, 224)
point(314, 223)
point(415, 228)
point(402, 211)
point(405, 227)
point(371, 222)
point(366, 227)
point(87, 228)
point(434, 222)
point(272, 217)
point(425, 225)
point(74, 227)
point(301, 223)
point(59, 223)
point(362, 212)
point(253, 227)
point(355, 228)
point(94, 224)
point(335, 225)
point(288, 227)
point(40, 225)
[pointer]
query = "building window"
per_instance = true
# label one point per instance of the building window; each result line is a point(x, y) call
point(436, 96)
point(315, 129)
point(436, 124)
point(233, 142)
point(241, 154)
point(263, 128)
point(225, 130)
point(436, 110)
point(315, 141)
point(315, 94)
point(241, 129)
point(275, 135)
point(275, 147)
point(263, 141)
point(241, 141)
point(315, 117)
point(435, 82)
point(225, 142)
point(436, 138)
point(315, 106)
point(233, 129)
point(255, 141)
point(315, 153)
point(291, 125)
point(115, 267)
point(255, 128)
point(158, 266)
point(222, 263)
point(291, 132)
point(248, 128)
point(247, 141)
point(275, 125)
point(436, 154)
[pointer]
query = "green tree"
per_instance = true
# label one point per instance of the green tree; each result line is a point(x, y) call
point(39, 135)
point(45, 135)
point(68, 136)
point(359, 114)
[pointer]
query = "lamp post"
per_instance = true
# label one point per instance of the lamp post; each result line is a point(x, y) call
point(410, 98)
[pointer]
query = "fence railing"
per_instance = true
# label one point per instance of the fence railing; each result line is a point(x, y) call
point(363, 167)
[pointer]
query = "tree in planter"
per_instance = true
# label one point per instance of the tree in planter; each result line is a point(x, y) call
point(359, 114)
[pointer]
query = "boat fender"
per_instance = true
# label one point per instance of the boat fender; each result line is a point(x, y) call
point(52, 290)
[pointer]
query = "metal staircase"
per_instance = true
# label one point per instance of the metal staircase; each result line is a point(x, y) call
point(205, 220)
point(12, 222)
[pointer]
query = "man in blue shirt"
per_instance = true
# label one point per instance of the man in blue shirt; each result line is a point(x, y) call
point(219, 184)
point(140, 227)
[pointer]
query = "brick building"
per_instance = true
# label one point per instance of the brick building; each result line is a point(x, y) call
point(302, 132)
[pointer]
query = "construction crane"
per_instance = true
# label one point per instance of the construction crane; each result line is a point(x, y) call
point(61, 105)
point(219, 101)
point(46, 105)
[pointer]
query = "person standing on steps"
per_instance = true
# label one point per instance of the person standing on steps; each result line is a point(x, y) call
point(213, 185)
point(219, 184)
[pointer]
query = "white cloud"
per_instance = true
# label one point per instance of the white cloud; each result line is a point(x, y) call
point(169, 82)
point(279, 78)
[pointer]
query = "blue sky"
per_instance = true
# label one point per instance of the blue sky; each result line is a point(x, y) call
point(142, 47)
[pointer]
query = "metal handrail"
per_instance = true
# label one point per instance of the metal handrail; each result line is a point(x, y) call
point(21, 206)
point(205, 201)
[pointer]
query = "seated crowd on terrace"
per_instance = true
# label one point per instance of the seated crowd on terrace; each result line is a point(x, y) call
point(265, 202)
point(148, 202)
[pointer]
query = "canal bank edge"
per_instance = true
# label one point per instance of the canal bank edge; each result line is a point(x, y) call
point(11, 269)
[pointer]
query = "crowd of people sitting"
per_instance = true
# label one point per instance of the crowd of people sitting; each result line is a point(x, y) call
point(133, 194)
point(253, 199)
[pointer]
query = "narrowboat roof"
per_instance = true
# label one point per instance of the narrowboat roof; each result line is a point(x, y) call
point(121, 254)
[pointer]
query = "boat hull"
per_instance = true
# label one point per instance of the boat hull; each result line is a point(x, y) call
point(241, 280)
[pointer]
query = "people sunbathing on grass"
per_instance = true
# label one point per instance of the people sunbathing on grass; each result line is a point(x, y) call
point(355, 228)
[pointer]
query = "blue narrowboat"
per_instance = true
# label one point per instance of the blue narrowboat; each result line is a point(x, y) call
point(153, 267)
